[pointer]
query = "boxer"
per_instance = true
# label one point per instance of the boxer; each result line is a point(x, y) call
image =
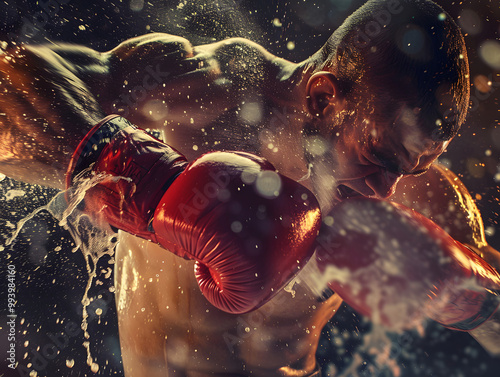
point(349, 123)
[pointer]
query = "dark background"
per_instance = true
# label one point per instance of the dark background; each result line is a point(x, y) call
point(51, 278)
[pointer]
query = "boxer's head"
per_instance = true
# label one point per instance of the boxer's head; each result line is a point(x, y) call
point(390, 90)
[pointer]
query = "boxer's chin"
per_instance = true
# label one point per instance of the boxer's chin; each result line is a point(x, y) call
point(344, 192)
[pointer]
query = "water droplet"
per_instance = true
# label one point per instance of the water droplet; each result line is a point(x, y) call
point(94, 367)
point(277, 22)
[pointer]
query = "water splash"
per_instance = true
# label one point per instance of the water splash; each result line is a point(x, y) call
point(93, 242)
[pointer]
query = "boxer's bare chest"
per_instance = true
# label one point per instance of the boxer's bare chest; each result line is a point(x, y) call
point(158, 293)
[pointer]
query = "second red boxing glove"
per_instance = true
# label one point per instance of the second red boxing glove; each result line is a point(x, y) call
point(397, 267)
point(248, 228)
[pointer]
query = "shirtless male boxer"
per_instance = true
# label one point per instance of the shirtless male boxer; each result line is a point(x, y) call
point(380, 101)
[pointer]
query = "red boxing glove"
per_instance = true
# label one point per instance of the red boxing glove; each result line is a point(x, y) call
point(249, 229)
point(397, 267)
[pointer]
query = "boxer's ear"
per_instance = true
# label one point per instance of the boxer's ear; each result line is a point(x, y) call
point(323, 93)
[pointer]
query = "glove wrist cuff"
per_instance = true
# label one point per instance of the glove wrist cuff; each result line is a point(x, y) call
point(91, 146)
point(488, 308)
point(130, 169)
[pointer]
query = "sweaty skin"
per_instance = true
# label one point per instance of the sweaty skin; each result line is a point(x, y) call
point(203, 98)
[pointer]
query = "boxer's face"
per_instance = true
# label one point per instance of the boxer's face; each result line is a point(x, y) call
point(380, 149)
point(379, 141)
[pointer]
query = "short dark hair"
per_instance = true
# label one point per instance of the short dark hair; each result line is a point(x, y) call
point(415, 41)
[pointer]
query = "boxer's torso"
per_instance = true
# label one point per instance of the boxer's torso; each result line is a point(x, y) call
point(164, 318)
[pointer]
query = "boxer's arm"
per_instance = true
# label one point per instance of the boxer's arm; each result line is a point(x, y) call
point(52, 95)
point(443, 198)
point(45, 110)
point(143, 63)
point(157, 77)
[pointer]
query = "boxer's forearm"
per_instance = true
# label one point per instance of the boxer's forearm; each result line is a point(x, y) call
point(488, 334)
point(45, 110)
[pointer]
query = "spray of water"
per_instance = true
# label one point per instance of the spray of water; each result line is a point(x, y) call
point(93, 241)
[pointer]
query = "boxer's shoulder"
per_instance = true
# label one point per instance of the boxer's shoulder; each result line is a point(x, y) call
point(148, 46)
point(238, 47)
point(440, 195)
point(242, 61)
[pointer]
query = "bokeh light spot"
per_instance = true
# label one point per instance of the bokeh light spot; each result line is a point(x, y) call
point(470, 22)
point(475, 167)
point(495, 137)
point(155, 110)
point(251, 112)
point(268, 184)
point(489, 52)
point(482, 83)
point(316, 145)
point(136, 5)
